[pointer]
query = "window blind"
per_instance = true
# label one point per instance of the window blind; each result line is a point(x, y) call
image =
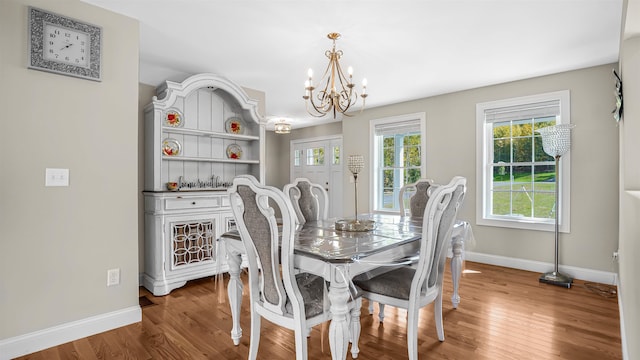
point(525, 111)
point(402, 127)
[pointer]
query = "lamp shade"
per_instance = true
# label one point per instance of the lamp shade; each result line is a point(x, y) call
point(355, 164)
point(556, 140)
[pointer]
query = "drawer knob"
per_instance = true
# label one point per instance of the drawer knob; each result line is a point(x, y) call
point(193, 203)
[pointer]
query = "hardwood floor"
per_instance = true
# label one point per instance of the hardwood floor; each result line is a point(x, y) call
point(504, 314)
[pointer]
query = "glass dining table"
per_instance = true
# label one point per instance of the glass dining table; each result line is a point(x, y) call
point(339, 256)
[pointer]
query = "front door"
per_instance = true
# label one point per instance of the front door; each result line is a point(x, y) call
point(320, 161)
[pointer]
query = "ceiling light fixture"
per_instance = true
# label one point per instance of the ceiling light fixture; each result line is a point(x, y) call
point(337, 95)
point(282, 127)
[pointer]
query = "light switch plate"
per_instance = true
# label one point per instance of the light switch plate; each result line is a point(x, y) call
point(56, 177)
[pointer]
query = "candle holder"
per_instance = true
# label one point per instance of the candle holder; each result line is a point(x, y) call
point(355, 164)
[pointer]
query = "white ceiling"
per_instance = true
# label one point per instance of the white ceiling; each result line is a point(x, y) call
point(407, 49)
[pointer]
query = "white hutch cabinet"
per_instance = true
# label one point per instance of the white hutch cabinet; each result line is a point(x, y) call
point(199, 134)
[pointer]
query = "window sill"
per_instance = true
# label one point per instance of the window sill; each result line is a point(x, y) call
point(521, 224)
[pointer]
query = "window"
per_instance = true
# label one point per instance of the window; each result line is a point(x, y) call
point(398, 157)
point(336, 155)
point(297, 154)
point(315, 156)
point(516, 178)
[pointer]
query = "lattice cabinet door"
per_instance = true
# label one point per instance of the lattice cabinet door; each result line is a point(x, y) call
point(191, 242)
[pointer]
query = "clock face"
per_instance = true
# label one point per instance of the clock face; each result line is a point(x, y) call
point(65, 45)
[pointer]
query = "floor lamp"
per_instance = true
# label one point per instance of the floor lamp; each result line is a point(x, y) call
point(556, 141)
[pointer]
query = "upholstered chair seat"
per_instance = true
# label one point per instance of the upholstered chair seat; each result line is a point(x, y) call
point(313, 290)
point(392, 284)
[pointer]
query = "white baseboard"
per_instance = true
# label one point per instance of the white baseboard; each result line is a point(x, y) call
point(603, 277)
point(57, 335)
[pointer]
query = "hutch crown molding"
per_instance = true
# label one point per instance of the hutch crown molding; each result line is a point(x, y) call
point(199, 135)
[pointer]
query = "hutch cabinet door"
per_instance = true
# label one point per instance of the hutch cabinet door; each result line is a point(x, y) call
point(190, 242)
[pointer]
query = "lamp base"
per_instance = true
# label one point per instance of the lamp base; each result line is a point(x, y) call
point(355, 225)
point(556, 278)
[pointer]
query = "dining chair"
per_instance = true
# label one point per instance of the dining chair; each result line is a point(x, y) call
point(278, 293)
point(310, 201)
point(410, 287)
point(420, 191)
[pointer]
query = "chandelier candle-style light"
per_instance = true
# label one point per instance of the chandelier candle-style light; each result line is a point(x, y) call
point(336, 94)
point(556, 141)
point(355, 164)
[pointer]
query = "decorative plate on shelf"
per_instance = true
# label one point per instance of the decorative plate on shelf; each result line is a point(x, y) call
point(173, 118)
point(234, 151)
point(170, 147)
point(234, 125)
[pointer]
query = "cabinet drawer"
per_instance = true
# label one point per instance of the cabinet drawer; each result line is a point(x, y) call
point(191, 203)
point(225, 201)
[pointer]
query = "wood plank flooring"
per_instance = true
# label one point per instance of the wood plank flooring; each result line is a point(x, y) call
point(504, 314)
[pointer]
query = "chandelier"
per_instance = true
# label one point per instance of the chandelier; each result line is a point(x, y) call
point(336, 93)
point(282, 127)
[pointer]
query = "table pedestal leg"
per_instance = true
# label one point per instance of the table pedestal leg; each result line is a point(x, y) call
point(457, 244)
point(339, 327)
point(234, 290)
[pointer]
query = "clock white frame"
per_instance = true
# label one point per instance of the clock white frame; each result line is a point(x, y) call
point(37, 20)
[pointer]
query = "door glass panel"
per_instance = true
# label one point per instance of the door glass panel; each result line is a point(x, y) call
point(296, 157)
point(315, 156)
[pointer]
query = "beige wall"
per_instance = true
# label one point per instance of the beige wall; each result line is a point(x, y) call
point(629, 246)
point(58, 242)
point(451, 150)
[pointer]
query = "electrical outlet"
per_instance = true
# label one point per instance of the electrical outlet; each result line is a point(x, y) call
point(616, 256)
point(113, 277)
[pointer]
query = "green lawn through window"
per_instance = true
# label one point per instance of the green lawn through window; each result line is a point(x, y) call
point(525, 196)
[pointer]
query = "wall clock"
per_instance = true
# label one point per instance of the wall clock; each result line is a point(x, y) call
point(63, 45)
